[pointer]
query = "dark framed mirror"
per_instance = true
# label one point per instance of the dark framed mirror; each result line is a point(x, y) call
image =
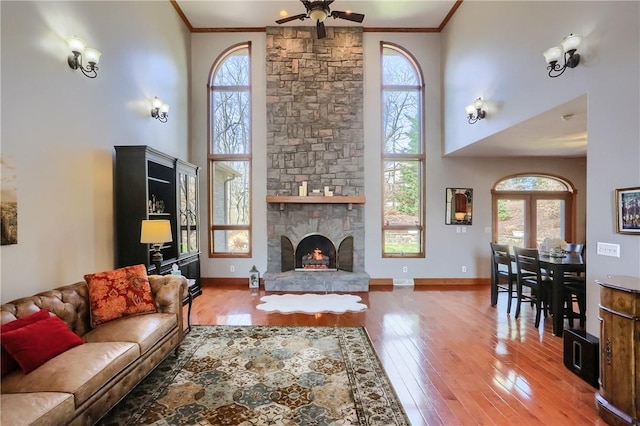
point(459, 206)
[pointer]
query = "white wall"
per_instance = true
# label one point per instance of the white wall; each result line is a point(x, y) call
point(494, 50)
point(59, 127)
point(206, 49)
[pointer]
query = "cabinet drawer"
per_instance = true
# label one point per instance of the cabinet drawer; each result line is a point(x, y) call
point(618, 301)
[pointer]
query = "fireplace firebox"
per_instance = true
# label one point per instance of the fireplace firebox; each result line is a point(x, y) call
point(315, 252)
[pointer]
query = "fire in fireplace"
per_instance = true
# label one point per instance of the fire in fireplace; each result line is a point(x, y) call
point(315, 253)
point(315, 260)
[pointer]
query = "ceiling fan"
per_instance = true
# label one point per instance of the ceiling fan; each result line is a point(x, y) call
point(318, 10)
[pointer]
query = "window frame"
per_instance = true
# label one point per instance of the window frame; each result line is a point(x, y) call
point(530, 198)
point(419, 157)
point(212, 158)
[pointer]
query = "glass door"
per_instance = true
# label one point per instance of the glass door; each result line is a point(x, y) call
point(511, 222)
point(192, 213)
point(188, 202)
point(550, 220)
point(526, 220)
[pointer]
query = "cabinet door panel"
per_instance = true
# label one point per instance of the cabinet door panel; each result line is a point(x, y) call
point(617, 360)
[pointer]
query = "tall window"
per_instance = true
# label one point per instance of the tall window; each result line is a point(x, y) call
point(529, 208)
point(402, 154)
point(229, 155)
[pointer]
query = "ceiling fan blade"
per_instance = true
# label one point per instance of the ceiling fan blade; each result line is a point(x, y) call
point(292, 18)
point(321, 31)
point(349, 16)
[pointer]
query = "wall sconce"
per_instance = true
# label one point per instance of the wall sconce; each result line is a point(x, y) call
point(79, 50)
point(568, 51)
point(159, 110)
point(475, 108)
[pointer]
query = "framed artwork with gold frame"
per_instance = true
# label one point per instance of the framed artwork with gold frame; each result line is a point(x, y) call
point(628, 210)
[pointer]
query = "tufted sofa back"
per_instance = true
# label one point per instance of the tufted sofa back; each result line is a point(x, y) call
point(70, 303)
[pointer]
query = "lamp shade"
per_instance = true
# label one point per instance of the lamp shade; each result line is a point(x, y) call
point(571, 42)
point(164, 108)
point(461, 203)
point(76, 44)
point(155, 232)
point(553, 55)
point(470, 109)
point(92, 56)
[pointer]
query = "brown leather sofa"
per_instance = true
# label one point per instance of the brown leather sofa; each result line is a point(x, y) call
point(81, 385)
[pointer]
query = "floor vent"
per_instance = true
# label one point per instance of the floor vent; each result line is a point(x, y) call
point(403, 282)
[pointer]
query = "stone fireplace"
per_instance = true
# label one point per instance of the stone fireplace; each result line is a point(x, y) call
point(315, 134)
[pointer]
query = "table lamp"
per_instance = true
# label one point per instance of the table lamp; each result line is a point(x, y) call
point(156, 232)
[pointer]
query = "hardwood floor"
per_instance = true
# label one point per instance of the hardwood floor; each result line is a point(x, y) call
point(452, 358)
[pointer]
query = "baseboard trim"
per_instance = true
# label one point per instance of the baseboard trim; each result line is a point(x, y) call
point(216, 281)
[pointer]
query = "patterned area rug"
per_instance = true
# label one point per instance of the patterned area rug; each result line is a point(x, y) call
point(311, 303)
point(265, 375)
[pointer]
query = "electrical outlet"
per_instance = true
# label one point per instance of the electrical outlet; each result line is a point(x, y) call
point(464, 229)
point(458, 229)
point(404, 269)
point(464, 269)
point(232, 268)
point(608, 249)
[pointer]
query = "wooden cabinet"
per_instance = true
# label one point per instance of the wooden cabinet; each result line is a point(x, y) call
point(617, 400)
point(152, 185)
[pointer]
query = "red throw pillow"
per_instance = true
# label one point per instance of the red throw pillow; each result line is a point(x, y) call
point(7, 363)
point(119, 293)
point(35, 344)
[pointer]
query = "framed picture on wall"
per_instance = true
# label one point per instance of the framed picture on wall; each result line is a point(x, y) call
point(628, 210)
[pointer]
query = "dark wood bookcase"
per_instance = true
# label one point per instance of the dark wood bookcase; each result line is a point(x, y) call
point(152, 185)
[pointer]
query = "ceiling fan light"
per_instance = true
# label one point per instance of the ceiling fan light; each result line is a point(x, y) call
point(318, 15)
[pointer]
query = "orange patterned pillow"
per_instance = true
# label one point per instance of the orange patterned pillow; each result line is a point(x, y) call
point(119, 293)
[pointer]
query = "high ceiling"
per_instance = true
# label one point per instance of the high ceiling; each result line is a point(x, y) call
point(547, 134)
point(262, 13)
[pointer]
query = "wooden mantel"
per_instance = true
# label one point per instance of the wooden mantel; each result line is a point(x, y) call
point(350, 200)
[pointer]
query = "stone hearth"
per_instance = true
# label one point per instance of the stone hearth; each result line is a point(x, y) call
point(327, 282)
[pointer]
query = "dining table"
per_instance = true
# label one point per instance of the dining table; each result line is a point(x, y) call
point(558, 267)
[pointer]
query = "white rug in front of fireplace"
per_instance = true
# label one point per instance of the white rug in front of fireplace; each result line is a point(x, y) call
point(311, 303)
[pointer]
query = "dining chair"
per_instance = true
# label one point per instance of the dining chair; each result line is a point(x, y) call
point(504, 278)
point(575, 289)
point(529, 274)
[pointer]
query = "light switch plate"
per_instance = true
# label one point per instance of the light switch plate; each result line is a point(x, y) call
point(608, 249)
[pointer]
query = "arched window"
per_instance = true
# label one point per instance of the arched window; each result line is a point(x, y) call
point(402, 154)
point(528, 208)
point(229, 154)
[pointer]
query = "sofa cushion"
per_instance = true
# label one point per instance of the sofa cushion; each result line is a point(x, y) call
point(36, 409)
point(119, 293)
point(7, 362)
point(35, 344)
point(144, 330)
point(82, 370)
